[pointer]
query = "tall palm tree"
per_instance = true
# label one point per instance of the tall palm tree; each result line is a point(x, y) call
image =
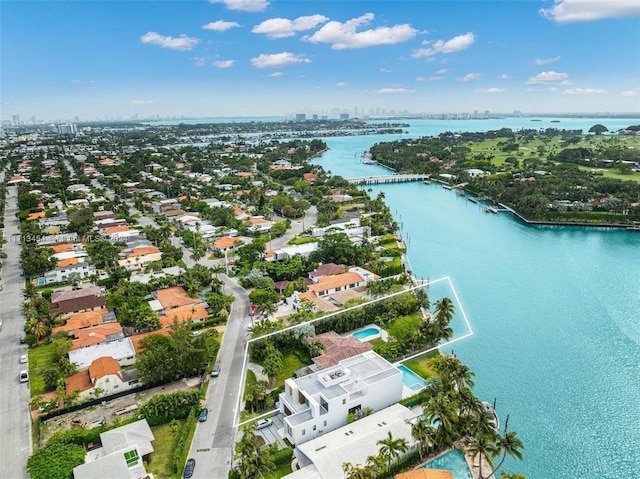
point(392, 448)
point(424, 433)
point(483, 445)
point(444, 310)
point(355, 472)
point(510, 444)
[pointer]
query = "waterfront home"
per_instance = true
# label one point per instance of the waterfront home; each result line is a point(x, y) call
point(123, 453)
point(323, 457)
point(327, 285)
point(337, 348)
point(327, 269)
point(318, 403)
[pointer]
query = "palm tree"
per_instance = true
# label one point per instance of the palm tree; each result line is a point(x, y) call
point(444, 310)
point(392, 448)
point(504, 475)
point(424, 433)
point(375, 465)
point(485, 446)
point(40, 330)
point(508, 444)
point(355, 472)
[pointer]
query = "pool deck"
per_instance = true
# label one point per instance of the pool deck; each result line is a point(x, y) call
point(475, 471)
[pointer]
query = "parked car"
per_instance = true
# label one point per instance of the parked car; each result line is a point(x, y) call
point(21, 339)
point(204, 412)
point(188, 468)
point(24, 376)
point(216, 371)
point(262, 423)
point(23, 359)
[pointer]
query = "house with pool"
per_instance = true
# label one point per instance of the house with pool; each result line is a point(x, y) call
point(318, 403)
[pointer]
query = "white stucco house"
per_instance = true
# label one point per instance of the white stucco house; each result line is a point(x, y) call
point(319, 403)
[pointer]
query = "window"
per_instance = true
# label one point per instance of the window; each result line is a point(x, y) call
point(344, 401)
point(325, 424)
point(304, 432)
point(314, 427)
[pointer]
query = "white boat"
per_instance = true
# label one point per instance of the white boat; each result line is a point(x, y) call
point(490, 411)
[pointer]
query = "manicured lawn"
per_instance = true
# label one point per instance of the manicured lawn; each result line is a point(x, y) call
point(280, 472)
point(290, 364)
point(613, 173)
point(251, 379)
point(422, 365)
point(40, 359)
point(164, 444)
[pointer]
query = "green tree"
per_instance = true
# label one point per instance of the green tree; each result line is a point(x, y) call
point(55, 461)
point(598, 129)
point(424, 433)
point(391, 448)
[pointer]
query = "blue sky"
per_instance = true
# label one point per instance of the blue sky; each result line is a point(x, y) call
point(199, 58)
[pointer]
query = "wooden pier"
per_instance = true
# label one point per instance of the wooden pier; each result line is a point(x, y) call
point(379, 180)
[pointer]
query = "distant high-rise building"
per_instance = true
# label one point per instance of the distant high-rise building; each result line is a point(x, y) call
point(344, 116)
point(315, 117)
point(301, 117)
point(67, 129)
point(15, 119)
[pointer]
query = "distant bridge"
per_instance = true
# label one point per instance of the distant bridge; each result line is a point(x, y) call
point(378, 180)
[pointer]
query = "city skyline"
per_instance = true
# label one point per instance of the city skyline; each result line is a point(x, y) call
point(232, 58)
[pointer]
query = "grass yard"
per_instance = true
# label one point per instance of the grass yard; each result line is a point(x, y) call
point(290, 363)
point(613, 173)
point(164, 444)
point(40, 359)
point(422, 365)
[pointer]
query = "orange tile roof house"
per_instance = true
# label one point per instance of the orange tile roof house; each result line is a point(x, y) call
point(104, 374)
point(100, 334)
point(82, 320)
point(195, 313)
point(227, 243)
point(36, 215)
point(175, 297)
point(334, 283)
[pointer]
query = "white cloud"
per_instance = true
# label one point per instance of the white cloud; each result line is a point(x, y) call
point(431, 78)
point(390, 91)
point(461, 42)
point(223, 63)
point(469, 77)
point(78, 81)
point(504, 76)
point(283, 27)
point(276, 74)
point(342, 36)
point(633, 92)
point(548, 77)
point(544, 61)
point(342, 84)
point(444, 71)
point(183, 42)
point(385, 70)
point(244, 5)
point(565, 11)
point(142, 102)
point(220, 26)
point(489, 90)
point(584, 91)
point(278, 60)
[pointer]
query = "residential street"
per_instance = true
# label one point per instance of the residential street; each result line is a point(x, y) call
point(15, 424)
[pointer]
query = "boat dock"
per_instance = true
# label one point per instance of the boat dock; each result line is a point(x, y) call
point(379, 180)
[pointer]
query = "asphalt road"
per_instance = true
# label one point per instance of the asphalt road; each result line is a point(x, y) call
point(15, 421)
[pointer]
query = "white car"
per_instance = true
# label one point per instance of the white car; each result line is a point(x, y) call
point(24, 376)
point(23, 359)
point(262, 423)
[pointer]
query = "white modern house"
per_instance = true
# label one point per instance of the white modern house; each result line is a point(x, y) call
point(318, 403)
point(63, 273)
point(121, 455)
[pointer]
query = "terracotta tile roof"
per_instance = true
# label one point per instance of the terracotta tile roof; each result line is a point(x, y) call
point(244, 174)
point(331, 282)
point(82, 320)
point(75, 294)
point(238, 211)
point(143, 250)
point(310, 176)
point(79, 381)
point(184, 314)
point(174, 297)
point(94, 335)
point(36, 215)
point(67, 262)
point(136, 338)
point(59, 248)
point(104, 366)
point(328, 269)
point(338, 348)
point(116, 229)
point(426, 474)
point(224, 242)
point(255, 221)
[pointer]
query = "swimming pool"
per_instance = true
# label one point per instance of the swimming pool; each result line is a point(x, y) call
point(366, 334)
point(452, 461)
point(411, 379)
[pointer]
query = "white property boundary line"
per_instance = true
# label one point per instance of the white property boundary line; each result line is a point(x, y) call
point(422, 284)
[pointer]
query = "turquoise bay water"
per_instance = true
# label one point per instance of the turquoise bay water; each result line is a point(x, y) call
point(555, 314)
point(452, 461)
